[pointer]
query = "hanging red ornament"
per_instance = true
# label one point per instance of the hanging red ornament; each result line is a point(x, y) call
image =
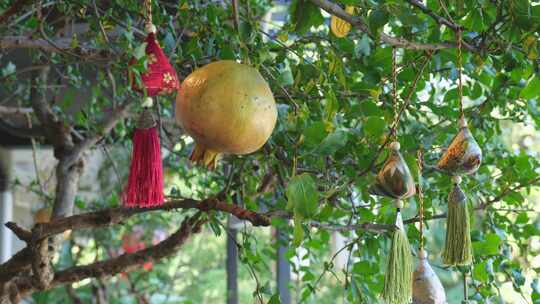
point(160, 77)
point(145, 182)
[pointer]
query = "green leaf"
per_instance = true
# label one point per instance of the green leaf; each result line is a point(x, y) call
point(480, 273)
point(522, 218)
point(298, 233)
point(374, 126)
point(285, 77)
point(140, 51)
point(303, 195)
point(315, 133)
point(274, 299)
point(304, 15)
point(365, 267)
point(489, 246)
point(363, 47)
point(332, 143)
point(377, 19)
point(9, 69)
point(532, 89)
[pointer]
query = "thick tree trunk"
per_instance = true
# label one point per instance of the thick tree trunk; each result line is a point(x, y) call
point(67, 179)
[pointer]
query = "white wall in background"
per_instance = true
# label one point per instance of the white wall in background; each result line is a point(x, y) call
point(6, 215)
point(21, 200)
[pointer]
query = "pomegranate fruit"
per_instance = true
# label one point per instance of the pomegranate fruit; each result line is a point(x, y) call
point(227, 107)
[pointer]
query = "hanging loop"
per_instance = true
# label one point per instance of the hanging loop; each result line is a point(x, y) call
point(148, 11)
point(148, 25)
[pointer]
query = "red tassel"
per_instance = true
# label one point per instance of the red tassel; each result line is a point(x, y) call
point(145, 183)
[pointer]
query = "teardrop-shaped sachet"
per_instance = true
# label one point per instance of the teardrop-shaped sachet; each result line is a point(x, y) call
point(394, 180)
point(463, 156)
point(160, 77)
point(427, 288)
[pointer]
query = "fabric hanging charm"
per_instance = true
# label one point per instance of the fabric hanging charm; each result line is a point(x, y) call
point(427, 288)
point(398, 276)
point(463, 156)
point(145, 183)
point(160, 77)
point(394, 180)
point(458, 247)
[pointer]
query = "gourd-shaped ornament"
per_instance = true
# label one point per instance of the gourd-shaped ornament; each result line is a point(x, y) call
point(463, 156)
point(394, 180)
point(427, 288)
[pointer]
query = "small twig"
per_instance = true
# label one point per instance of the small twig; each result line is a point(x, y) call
point(357, 23)
point(102, 29)
point(34, 155)
point(15, 110)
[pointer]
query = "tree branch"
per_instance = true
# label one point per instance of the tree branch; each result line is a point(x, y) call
point(64, 43)
point(107, 217)
point(439, 19)
point(124, 262)
point(357, 23)
point(21, 261)
point(442, 21)
point(23, 234)
point(20, 131)
point(118, 114)
point(374, 227)
point(55, 130)
point(507, 191)
point(15, 110)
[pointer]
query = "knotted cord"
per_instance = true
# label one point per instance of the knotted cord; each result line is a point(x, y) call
point(148, 11)
point(394, 92)
point(420, 198)
point(460, 80)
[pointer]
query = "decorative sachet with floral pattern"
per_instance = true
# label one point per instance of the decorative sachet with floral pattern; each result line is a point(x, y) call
point(394, 180)
point(160, 77)
point(463, 156)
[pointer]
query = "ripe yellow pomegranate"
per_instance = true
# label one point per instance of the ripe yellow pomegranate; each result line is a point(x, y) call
point(227, 107)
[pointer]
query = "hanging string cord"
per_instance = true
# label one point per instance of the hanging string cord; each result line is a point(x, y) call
point(460, 68)
point(394, 92)
point(407, 101)
point(148, 11)
point(420, 198)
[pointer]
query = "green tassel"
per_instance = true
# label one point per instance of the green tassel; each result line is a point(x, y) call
point(458, 247)
point(398, 277)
